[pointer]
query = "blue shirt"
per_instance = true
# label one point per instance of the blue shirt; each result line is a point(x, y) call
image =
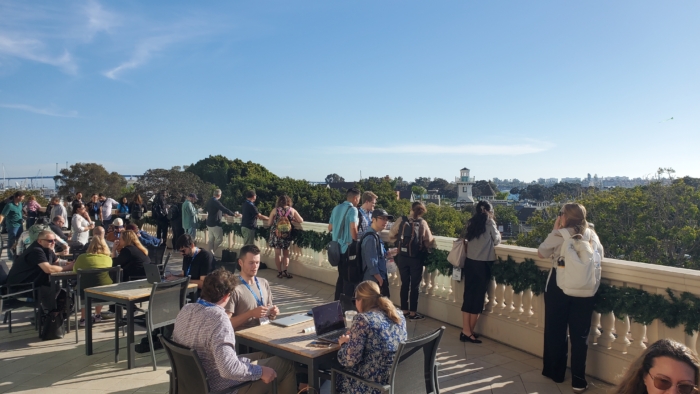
point(373, 262)
point(343, 236)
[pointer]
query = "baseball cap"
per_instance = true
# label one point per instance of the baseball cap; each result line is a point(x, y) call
point(192, 195)
point(381, 213)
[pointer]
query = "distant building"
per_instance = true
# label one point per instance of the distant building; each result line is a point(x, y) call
point(464, 188)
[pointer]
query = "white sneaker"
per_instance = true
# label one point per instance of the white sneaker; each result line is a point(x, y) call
point(108, 315)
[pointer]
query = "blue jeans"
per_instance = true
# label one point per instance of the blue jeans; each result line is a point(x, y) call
point(192, 231)
point(13, 234)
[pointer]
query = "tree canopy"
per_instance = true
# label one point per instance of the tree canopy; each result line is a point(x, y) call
point(178, 184)
point(89, 178)
point(334, 178)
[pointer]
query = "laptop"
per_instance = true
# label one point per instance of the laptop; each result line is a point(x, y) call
point(292, 320)
point(329, 322)
point(152, 275)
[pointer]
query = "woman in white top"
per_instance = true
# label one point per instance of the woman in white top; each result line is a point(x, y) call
point(80, 225)
point(482, 236)
point(563, 312)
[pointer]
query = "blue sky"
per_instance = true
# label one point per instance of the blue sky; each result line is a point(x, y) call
point(411, 88)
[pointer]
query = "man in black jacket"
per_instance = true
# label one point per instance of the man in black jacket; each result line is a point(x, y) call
point(159, 210)
point(215, 210)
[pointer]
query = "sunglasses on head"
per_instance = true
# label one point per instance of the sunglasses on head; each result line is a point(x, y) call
point(664, 383)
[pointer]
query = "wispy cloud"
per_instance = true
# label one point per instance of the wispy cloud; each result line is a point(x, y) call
point(99, 19)
point(42, 111)
point(141, 55)
point(35, 50)
point(471, 149)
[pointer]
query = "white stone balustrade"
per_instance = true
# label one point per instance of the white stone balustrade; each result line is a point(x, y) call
point(516, 319)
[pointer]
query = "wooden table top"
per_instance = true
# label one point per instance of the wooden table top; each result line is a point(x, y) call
point(291, 339)
point(64, 273)
point(128, 291)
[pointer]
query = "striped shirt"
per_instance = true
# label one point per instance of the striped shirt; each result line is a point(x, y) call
point(208, 331)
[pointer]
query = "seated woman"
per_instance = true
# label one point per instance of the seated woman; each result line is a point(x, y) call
point(665, 367)
point(115, 229)
point(132, 255)
point(81, 225)
point(371, 345)
point(96, 257)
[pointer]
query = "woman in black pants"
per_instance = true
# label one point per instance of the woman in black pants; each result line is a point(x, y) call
point(482, 236)
point(411, 267)
point(561, 311)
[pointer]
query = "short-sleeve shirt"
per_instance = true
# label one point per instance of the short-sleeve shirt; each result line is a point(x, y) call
point(26, 268)
point(250, 215)
point(242, 300)
point(365, 219)
point(201, 265)
point(337, 219)
point(13, 214)
point(107, 206)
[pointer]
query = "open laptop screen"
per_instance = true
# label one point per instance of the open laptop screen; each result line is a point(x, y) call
point(328, 317)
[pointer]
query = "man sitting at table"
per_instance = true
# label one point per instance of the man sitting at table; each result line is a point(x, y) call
point(196, 263)
point(204, 326)
point(37, 262)
point(251, 301)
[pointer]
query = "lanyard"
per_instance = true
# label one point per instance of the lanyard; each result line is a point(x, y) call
point(259, 301)
point(205, 303)
point(191, 262)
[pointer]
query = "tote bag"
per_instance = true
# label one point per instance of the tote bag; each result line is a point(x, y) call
point(458, 253)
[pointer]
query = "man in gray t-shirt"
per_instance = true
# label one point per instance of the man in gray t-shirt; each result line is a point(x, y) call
point(251, 301)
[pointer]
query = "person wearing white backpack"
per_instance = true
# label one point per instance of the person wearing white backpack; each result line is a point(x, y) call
point(576, 252)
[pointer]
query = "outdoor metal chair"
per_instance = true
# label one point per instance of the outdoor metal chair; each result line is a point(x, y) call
point(167, 298)
point(10, 297)
point(114, 272)
point(187, 374)
point(156, 253)
point(414, 369)
point(162, 267)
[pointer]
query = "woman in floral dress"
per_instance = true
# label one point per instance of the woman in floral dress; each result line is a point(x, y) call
point(281, 239)
point(371, 345)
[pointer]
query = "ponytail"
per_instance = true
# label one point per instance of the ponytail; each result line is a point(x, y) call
point(370, 297)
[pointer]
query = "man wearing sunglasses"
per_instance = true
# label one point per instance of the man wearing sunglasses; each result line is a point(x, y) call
point(38, 261)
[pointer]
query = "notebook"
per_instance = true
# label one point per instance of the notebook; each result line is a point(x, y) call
point(292, 320)
point(329, 321)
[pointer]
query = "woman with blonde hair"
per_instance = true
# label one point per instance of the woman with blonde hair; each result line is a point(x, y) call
point(665, 366)
point(281, 220)
point(564, 313)
point(132, 255)
point(411, 262)
point(96, 257)
point(369, 349)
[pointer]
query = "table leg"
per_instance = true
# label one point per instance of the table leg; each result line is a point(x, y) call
point(130, 349)
point(313, 375)
point(117, 321)
point(88, 325)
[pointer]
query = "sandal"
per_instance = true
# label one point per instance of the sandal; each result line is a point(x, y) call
point(286, 274)
point(280, 274)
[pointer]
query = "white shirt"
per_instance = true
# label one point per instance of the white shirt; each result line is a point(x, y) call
point(59, 210)
point(106, 208)
point(80, 232)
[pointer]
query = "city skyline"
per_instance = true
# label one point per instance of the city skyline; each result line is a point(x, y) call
point(405, 89)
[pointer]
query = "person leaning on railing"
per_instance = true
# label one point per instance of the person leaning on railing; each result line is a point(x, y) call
point(369, 348)
point(482, 236)
point(665, 366)
point(563, 312)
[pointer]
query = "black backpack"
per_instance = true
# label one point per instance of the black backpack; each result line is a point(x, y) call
point(172, 212)
point(410, 242)
point(136, 211)
point(356, 269)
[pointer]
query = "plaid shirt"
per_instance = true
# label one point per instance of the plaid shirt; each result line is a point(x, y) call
point(208, 331)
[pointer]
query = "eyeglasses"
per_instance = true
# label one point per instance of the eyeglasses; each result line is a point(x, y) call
point(663, 383)
point(51, 241)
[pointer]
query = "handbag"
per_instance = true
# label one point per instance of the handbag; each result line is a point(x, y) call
point(334, 253)
point(52, 325)
point(458, 253)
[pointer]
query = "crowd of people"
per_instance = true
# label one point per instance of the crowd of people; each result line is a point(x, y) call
point(107, 233)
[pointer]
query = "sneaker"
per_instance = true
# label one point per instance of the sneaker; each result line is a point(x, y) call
point(580, 389)
point(81, 323)
point(96, 318)
point(417, 316)
point(108, 315)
